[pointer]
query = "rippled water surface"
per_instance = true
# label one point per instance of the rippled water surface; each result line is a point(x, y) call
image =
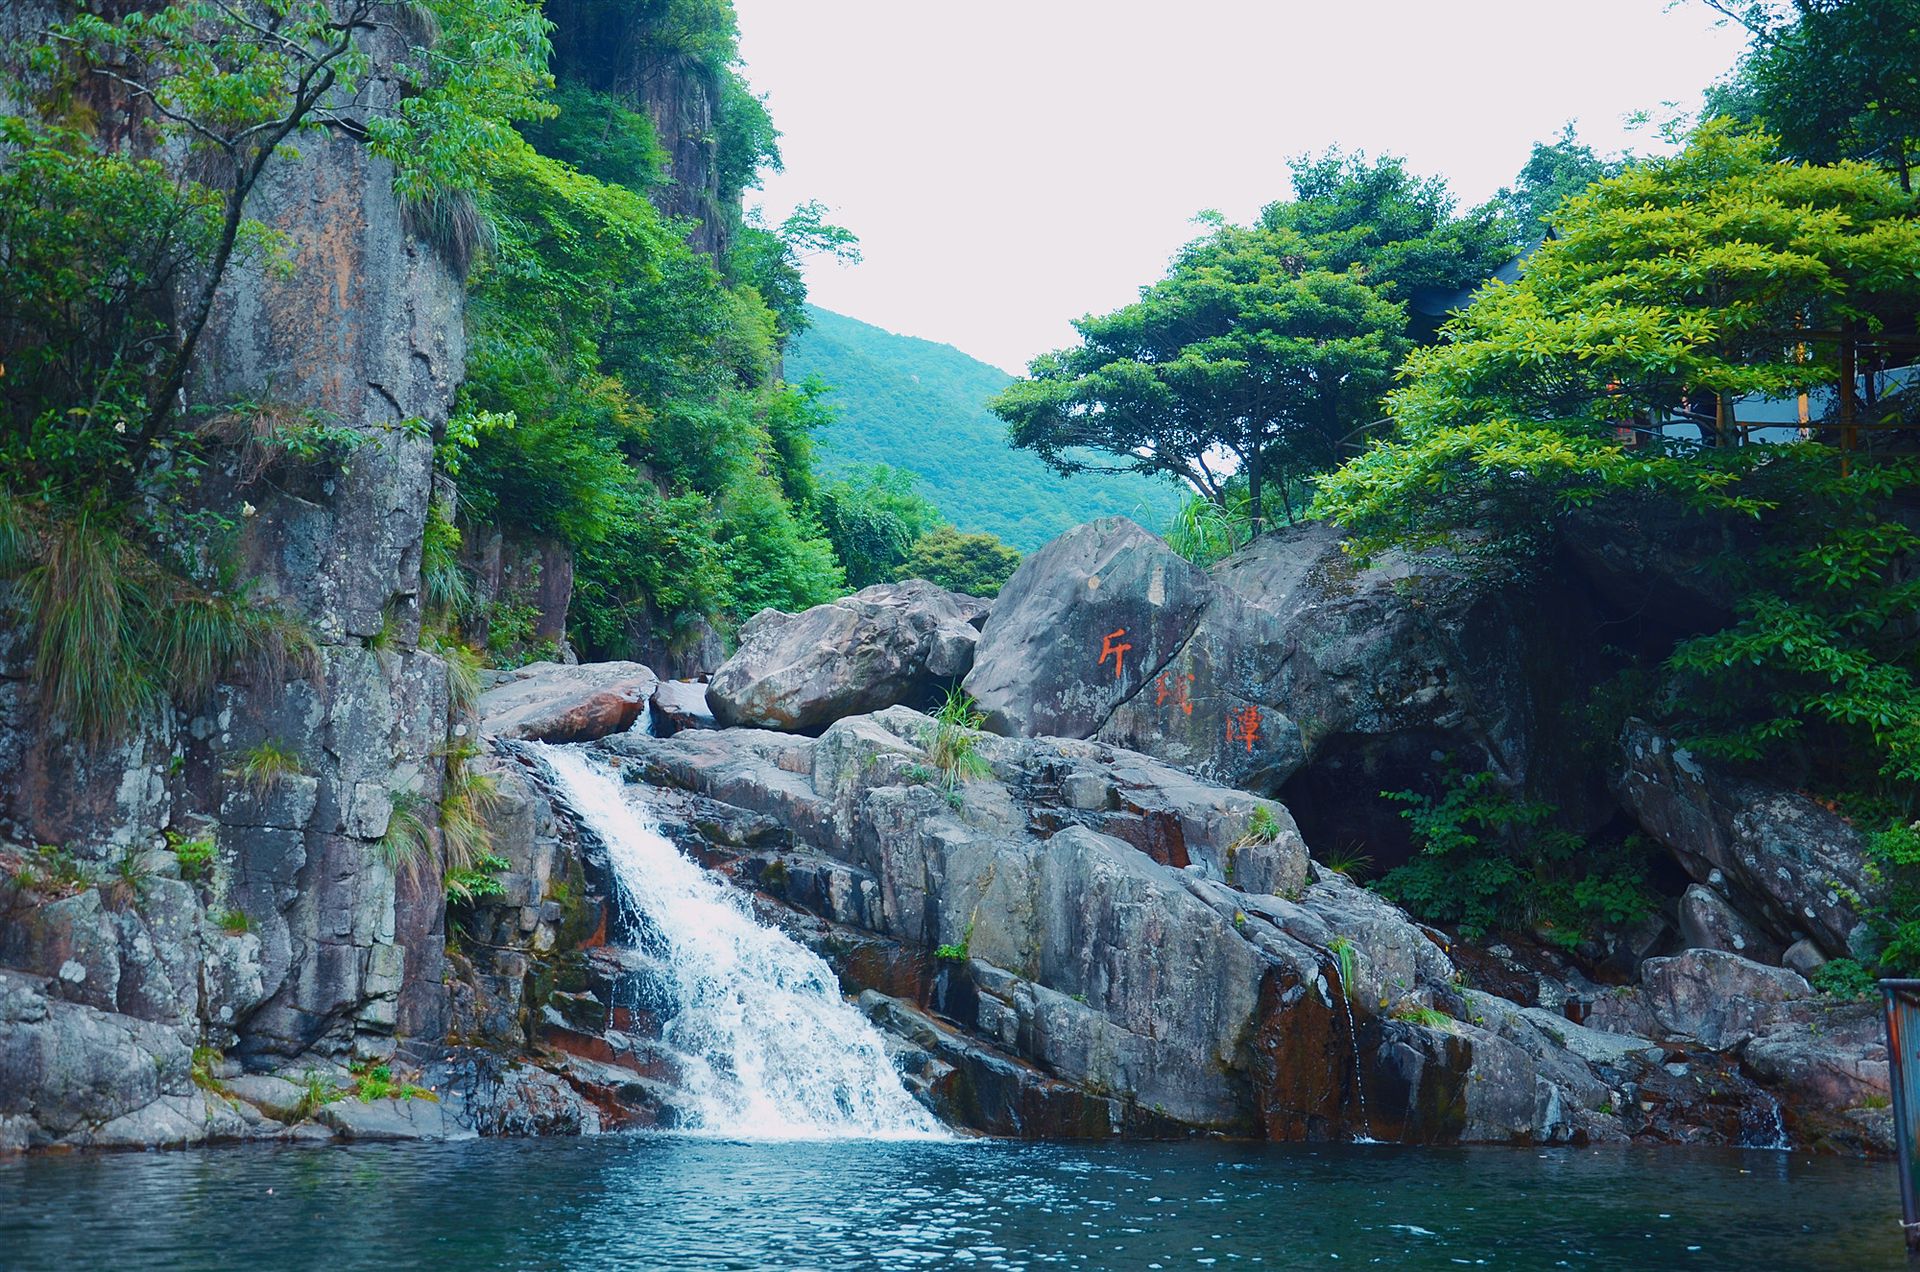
point(632, 1202)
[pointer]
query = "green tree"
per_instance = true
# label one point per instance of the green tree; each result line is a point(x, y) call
point(1246, 350)
point(874, 517)
point(973, 564)
point(110, 265)
point(1690, 273)
point(1400, 232)
point(1555, 171)
point(1834, 79)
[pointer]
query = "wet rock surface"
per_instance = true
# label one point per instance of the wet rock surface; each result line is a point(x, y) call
point(1091, 942)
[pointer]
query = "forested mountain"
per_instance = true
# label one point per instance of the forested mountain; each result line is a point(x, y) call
point(921, 406)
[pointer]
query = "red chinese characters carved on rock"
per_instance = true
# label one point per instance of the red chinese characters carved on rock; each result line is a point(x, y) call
point(1117, 652)
point(1176, 688)
point(1244, 726)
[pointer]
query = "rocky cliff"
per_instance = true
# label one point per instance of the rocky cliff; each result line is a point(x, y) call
point(253, 916)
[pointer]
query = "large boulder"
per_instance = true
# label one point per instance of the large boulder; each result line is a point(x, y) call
point(552, 702)
point(1289, 668)
point(889, 644)
point(1793, 868)
point(1084, 625)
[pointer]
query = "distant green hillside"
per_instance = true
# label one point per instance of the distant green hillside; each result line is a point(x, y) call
point(920, 406)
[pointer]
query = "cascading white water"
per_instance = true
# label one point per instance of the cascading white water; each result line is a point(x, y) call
point(765, 1046)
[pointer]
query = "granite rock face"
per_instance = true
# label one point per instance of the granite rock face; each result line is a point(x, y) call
point(288, 936)
point(1091, 942)
point(1287, 667)
point(1791, 868)
point(892, 643)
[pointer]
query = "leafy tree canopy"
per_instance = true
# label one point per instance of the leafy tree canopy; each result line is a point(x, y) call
point(1684, 274)
point(975, 564)
point(1398, 231)
point(1834, 79)
point(1247, 356)
point(1555, 171)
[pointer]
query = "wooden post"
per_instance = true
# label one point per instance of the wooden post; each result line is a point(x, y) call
point(1848, 368)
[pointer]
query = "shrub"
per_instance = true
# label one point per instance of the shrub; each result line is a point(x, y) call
point(1844, 978)
point(1487, 861)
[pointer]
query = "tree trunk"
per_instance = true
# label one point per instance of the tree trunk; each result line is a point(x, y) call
point(1253, 490)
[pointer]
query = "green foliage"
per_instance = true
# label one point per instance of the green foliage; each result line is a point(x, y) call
point(466, 835)
point(114, 633)
point(1399, 231)
point(1207, 530)
point(1834, 78)
point(234, 922)
point(375, 1080)
point(770, 258)
point(953, 743)
point(477, 882)
point(463, 672)
point(316, 1092)
point(1555, 171)
point(406, 844)
point(195, 855)
point(264, 766)
point(957, 953)
point(1893, 914)
point(1844, 978)
point(873, 517)
point(599, 135)
point(108, 270)
point(446, 590)
point(623, 393)
point(127, 881)
point(919, 408)
point(973, 564)
point(1346, 960)
point(93, 246)
point(1682, 275)
point(1248, 347)
point(1488, 862)
point(201, 1069)
point(1427, 1017)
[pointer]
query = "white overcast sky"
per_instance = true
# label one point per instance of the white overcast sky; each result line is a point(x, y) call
point(1012, 164)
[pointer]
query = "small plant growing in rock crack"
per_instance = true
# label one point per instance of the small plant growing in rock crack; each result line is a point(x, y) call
point(235, 922)
point(264, 766)
point(404, 846)
point(465, 803)
point(195, 855)
point(316, 1091)
point(1844, 978)
point(1350, 864)
point(127, 881)
point(205, 1060)
point(954, 741)
point(53, 872)
point(479, 882)
point(1346, 959)
point(957, 953)
point(1428, 1017)
point(373, 1080)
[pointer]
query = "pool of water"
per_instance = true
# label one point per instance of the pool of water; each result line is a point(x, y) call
point(660, 1202)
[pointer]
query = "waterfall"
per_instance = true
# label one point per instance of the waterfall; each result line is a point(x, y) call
point(763, 1044)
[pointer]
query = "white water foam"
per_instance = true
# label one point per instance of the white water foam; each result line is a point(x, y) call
point(766, 1047)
